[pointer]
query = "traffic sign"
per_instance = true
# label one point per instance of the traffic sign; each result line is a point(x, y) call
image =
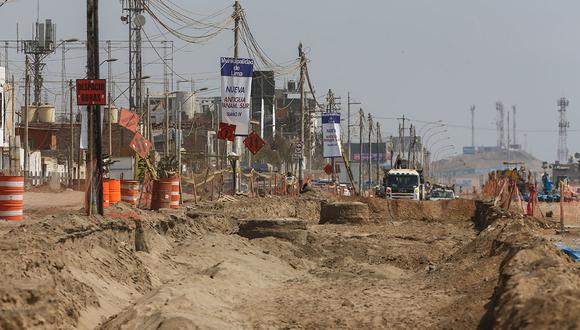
point(227, 132)
point(91, 91)
point(141, 145)
point(328, 169)
point(254, 143)
point(298, 148)
point(129, 120)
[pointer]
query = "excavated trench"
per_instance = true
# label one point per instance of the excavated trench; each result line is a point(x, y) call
point(449, 264)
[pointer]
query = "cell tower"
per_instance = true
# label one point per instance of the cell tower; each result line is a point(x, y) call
point(500, 125)
point(563, 126)
point(43, 43)
point(135, 21)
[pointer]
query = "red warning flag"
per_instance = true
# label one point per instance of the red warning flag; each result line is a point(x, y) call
point(227, 132)
point(254, 143)
point(129, 120)
point(141, 145)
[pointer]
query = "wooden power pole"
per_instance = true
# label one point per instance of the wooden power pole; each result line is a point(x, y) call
point(370, 149)
point(361, 119)
point(302, 113)
point(71, 155)
point(95, 191)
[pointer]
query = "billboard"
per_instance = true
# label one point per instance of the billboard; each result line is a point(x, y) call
point(379, 152)
point(236, 74)
point(331, 135)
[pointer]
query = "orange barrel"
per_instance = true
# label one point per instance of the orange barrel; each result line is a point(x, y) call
point(114, 191)
point(161, 198)
point(11, 197)
point(174, 191)
point(130, 191)
point(106, 193)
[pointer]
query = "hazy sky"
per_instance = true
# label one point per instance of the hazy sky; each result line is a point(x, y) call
point(426, 59)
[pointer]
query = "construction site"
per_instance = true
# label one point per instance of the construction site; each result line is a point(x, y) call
point(168, 169)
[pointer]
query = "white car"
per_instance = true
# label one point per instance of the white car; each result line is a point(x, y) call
point(442, 194)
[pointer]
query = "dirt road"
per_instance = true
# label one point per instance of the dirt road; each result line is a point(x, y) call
point(455, 264)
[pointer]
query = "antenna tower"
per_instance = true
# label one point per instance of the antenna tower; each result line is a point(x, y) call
point(563, 126)
point(500, 125)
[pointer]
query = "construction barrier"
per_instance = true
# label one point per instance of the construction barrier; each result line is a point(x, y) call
point(174, 195)
point(11, 197)
point(210, 186)
point(161, 197)
point(106, 196)
point(130, 191)
point(114, 191)
point(504, 192)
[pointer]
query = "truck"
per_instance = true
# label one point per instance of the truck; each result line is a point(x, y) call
point(402, 184)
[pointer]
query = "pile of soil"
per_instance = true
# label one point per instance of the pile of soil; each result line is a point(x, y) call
point(453, 264)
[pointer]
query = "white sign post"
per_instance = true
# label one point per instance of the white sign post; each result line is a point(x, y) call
point(332, 146)
point(236, 76)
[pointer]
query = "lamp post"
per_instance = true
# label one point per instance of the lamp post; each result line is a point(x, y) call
point(433, 135)
point(439, 141)
point(438, 123)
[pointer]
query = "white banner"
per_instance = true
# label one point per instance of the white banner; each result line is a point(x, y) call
point(236, 91)
point(84, 128)
point(332, 146)
point(84, 143)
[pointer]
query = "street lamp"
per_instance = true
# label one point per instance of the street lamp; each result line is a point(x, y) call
point(442, 149)
point(426, 141)
point(437, 123)
point(439, 141)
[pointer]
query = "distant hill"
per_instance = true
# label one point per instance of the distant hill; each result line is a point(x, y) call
point(487, 161)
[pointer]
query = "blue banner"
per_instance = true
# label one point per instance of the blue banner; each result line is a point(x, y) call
point(237, 67)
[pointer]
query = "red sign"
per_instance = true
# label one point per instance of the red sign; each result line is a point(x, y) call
point(227, 132)
point(254, 143)
point(328, 169)
point(129, 120)
point(141, 145)
point(91, 91)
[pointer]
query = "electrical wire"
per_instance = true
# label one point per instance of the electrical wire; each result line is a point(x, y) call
point(178, 24)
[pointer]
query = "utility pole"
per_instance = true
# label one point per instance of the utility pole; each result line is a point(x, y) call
point(370, 149)
point(348, 124)
point(166, 129)
point(26, 105)
point(94, 112)
point(148, 118)
point(63, 80)
point(378, 152)
point(361, 119)
point(236, 16)
point(178, 139)
point(402, 136)
point(235, 162)
point(302, 103)
point(72, 131)
point(6, 58)
point(13, 116)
